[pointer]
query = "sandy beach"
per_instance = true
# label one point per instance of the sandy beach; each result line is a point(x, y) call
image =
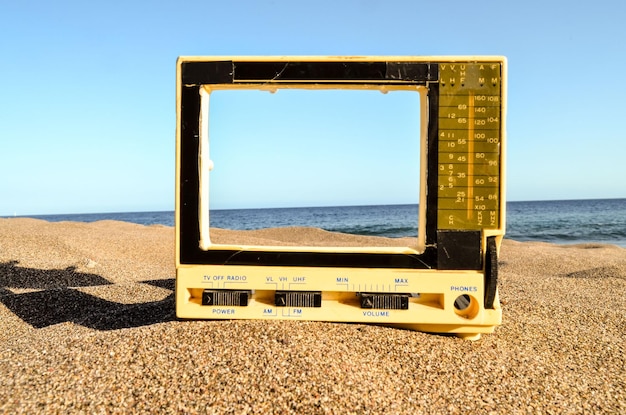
point(87, 325)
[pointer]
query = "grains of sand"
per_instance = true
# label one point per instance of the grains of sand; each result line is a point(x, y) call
point(87, 325)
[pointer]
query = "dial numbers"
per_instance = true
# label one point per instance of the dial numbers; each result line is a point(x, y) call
point(470, 134)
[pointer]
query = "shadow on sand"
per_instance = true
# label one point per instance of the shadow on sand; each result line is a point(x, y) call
point(57, 300)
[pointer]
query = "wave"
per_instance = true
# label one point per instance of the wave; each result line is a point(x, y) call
point(377, 230)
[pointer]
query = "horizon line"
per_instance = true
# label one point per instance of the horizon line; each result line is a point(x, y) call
point(15, 215)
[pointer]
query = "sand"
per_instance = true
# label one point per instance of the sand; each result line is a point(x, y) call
point(87, 325)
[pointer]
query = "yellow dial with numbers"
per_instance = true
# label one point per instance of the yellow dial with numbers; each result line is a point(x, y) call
point(470, 132)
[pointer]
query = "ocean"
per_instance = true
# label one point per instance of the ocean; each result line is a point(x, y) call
point(560, 221)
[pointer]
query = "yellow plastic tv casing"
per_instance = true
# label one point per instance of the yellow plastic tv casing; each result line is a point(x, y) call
point(447, 283)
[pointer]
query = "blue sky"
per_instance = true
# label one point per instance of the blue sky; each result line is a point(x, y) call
point(338, 148)
point(87, 89)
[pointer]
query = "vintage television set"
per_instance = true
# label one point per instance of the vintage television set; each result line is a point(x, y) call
point(444, 282)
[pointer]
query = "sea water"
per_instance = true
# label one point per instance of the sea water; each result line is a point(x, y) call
point(561, 221)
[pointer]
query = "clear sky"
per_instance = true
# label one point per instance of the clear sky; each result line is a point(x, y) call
point(338, 147)
point(87, 88)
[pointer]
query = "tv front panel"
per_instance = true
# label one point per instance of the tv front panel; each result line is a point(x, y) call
point(445, 282)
